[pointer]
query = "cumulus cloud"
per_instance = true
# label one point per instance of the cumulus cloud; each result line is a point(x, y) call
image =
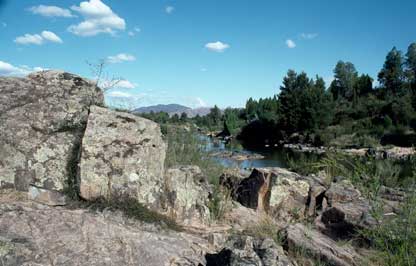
point(169, 9)
point(98, 18)
point(217, 46)
point(308, 36)
point(51, 11)
point(50, 36)
point(290, 43)
point(29, 39)
point(38, 39)
point(7, 69)
point(120, 58)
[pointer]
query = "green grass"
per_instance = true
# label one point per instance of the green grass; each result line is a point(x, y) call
point(266, 228)
point(395, 239)
point(186, 148)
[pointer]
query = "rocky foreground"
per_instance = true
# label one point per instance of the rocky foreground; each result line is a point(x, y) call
point(58, 142)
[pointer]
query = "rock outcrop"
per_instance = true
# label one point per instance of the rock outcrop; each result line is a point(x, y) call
point(122, 154)
point(304, 241)
point(42, 119)
point(187, 195)
point(346, 212)
point(247, 251)
point(276, 191)
point(33, 234)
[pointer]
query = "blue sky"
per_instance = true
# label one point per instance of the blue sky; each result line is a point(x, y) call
point(200, 52)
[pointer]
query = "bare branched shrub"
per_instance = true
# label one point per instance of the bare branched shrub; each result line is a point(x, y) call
point(103, 79)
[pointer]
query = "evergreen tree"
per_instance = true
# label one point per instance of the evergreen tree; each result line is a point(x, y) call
point(411, 70)
point(391, 75)
point(363, 85)
point(345, 76)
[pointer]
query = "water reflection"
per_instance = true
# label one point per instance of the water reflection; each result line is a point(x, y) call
point(273, 157)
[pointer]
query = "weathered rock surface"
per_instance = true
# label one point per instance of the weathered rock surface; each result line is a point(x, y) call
point(288, 195)
point(347, 211)
point(48, 197)
point(247, 251)
point(122, 154)
point(33, 234)
point(276, 191)
point(300, 239)
point(187, 195)
point(42, 118)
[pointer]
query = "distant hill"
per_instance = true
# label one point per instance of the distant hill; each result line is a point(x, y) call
point(168, 108)
point(172, 109)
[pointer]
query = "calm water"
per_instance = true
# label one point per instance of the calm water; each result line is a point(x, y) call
point(273, 157)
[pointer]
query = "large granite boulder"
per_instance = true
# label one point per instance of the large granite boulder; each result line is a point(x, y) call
point(42, 119)
point(187, 195)
point(122, 154)
point(34, 234)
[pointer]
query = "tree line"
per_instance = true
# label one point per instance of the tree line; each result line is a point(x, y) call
point(350, 112)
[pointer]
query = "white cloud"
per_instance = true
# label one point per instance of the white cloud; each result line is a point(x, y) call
point(51, 11)
point(29, 39)
point(38, 39)
point(120, 58)
point(50, 36)
point(200, 103)
point(169, 9)
point(99, 18)
point(119, 94)
point(308, 36)
point(217, 46)
point(7, 69)
point(133, 32)
point(125, 84)
point(290, 43)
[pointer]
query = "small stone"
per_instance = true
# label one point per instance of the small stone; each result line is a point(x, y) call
point(48, 197)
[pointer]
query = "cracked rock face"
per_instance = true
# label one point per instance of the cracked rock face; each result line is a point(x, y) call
point(122, 154)
point(33, 234)
point(188, 195)
point(42, 118)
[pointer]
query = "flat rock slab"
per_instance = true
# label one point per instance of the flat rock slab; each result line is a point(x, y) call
point(33, 234)
point(42, 118)
point(303, 240)
point(122, 154)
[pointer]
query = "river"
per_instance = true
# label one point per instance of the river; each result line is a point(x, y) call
point(272, 156)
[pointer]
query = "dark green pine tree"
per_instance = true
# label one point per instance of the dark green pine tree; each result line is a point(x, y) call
point(391, 75)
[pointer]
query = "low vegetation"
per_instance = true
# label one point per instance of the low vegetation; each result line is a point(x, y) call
point(394, 239)
point(185, 147)
point(131, 208)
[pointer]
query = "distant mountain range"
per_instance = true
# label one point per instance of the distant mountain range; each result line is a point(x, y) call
point(172, 109)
